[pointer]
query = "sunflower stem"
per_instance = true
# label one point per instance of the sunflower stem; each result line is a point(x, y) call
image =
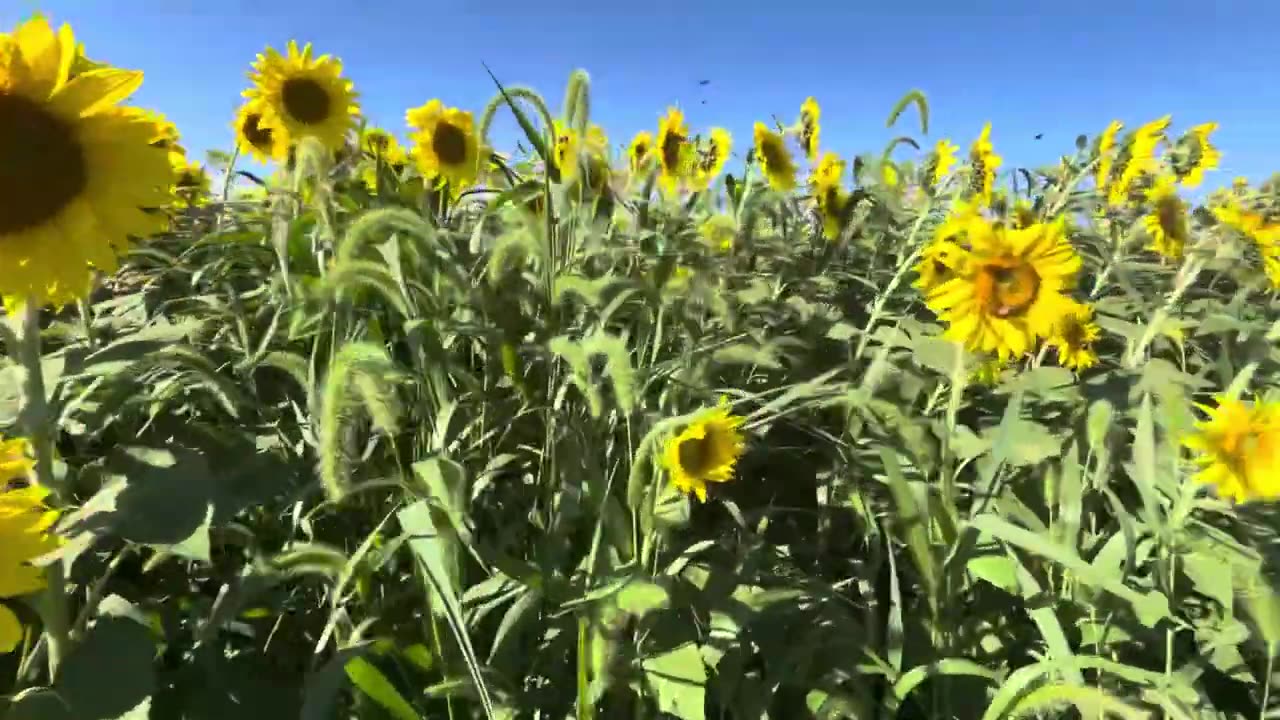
point(37, 425)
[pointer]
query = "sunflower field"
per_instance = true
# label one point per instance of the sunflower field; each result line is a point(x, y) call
point(413, 426)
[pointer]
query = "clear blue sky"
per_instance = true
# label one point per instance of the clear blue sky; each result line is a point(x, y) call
point(1029, 66)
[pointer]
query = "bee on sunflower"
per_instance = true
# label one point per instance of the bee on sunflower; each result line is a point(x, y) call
point(1237, 449)
point(1011, 288)
point(705, 451)
point(303, 96)
point(80, 175)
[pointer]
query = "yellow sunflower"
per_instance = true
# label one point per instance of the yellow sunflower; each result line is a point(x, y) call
point(712, 155)
point(705, 451)
point(24, 530)
point(1010, 290)
point(939, 262)
point(983, 163)
point(828, 194)
point(79, 174)
point(810, 128)
point(565, 150)
point(304, 96)
point(445, 145)
point(640, 151)
point(1138, 159)
point(675, 154)
point(719, 231)
point(383, 149)
point(1073, 337)
point(1106, 154)
point(774, 158)
point(1237, 449)
point(1201, 155)
point(191, 185)
point(257, 140)
point(1166, 223)
point(944, 159)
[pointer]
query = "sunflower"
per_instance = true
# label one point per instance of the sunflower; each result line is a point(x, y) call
point(939, 262)
point(1166, 223)
point(944, 158)
point(829, 195)
point(24, 529)
point(705, 451)
point(674, 150)
point(78, 173)
point(640, 151)
point(383, 148)
point(1106, 144)
point(775, 158)
point(1073, 337)
point(191, 185)
point(1200, 156)
point(1011, 288)
point(1137, 159)
point(255, 139)
point(712, 156)
point(303, 96)
point(809, 128)
point(565, 150)
point(719, 231)
point(983, 163)
point(1237, 449)
point(445, 146)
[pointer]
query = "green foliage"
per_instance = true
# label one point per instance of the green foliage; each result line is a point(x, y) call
point(399, 455)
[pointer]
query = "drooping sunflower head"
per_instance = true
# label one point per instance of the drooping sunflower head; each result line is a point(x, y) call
point(706, 451)
point(711, 157)
point(944, 158)
point(256, 139)
point(191, 185)
point(1195, 154)
point(1073, 337)
point(304, 96)
point(983, 164)
point(810, 128)
point(829, 171)
point(1166, 222)
point(719, 231)
point(775, 158)
point(80, 176)
point(445, 145)
point(1106, 152)
point(675, 154)
point(381, 150)
point(640, 151)
point(1237, 449)
point(1137, 159)
point(1010, 290)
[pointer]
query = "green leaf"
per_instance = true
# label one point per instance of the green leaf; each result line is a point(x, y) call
point(999, 570)
point(639, 597)
point(911, 521)
point(677, 678)
point(370, 680)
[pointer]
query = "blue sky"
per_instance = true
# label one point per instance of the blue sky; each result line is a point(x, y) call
point(1032, 66)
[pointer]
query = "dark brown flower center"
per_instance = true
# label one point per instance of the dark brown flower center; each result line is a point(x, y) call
point(672, 145)
point(258, 136)
point(42, 166)
point(1007, 287)
point(449, 143)
point(305, 100)
point(697, 456)
point(1172, 220)
point(1073, 332)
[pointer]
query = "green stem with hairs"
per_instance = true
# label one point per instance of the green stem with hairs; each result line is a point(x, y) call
point(37, 423)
